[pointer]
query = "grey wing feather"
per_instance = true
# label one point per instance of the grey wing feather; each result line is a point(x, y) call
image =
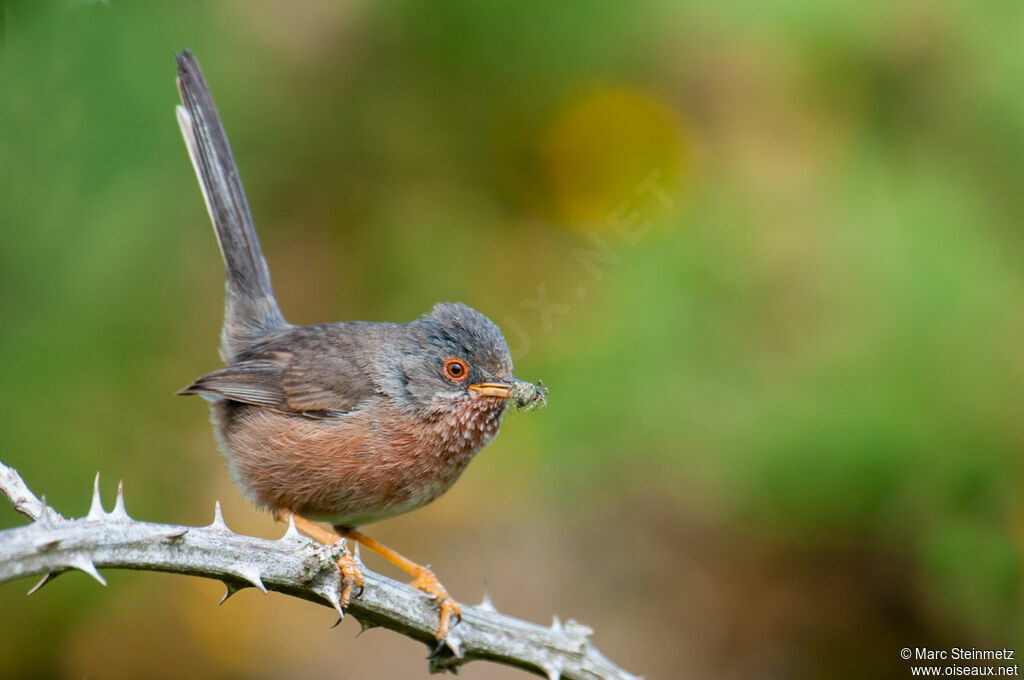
point(316, 382)
point(250, 382)
point(310, 383)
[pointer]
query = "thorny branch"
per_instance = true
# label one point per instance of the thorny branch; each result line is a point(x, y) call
point(53, 544)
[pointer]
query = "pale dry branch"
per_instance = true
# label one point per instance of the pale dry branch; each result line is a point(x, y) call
point(293, 565)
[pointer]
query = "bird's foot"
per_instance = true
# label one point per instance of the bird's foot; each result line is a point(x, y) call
point(427, 582)
point(423, 578)
point(351, 578)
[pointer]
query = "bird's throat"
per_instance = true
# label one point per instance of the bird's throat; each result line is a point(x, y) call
point(469, 424)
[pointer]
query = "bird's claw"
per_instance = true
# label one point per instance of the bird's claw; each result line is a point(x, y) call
point(351, 578)
point(449, 608)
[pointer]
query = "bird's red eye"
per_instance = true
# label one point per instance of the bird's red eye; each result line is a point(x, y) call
point(455, 369)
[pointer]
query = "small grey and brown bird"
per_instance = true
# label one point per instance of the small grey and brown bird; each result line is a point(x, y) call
point(346, 423)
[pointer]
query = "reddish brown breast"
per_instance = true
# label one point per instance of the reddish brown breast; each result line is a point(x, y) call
point(358, 467)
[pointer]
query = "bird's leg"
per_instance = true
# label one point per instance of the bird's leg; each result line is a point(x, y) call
point(423, 578)
point(350, 576)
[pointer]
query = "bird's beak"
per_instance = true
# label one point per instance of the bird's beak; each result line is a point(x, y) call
point(502, 390)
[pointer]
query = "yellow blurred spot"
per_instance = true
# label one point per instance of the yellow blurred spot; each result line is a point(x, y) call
point(611, 153)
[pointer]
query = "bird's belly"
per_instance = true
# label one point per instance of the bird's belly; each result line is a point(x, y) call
point(350, 470)
point(348, 516)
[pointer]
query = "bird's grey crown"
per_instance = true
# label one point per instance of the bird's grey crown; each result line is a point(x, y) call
point(470, 335)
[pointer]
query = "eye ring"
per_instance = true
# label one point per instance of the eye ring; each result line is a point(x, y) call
point(455, 369)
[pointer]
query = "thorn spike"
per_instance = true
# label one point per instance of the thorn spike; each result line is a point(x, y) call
point(43, 581)
point(45, 517)
point(96, 507)
point(218, 519)
point(554, 671)
point(578, 630)
point(232, 588)
point(438, 660)
point(251, 574)
point(556, 624)
point(175, 534)
point(291, 533)
point(83, 563)
point(454, 644)
point(436, 651)
point(486, 603)
point(45, 544)
point(331, 595)
point(364, 626)
point(119, 512)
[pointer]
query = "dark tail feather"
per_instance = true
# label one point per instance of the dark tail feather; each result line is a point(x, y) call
point(250, 307)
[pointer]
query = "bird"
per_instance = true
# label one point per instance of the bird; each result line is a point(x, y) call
point(345, 423)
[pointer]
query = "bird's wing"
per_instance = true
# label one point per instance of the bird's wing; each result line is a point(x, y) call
point(304, 382)
point(324, 381)
point(256, 382)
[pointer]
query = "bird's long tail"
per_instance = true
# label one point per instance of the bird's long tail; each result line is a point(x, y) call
point(250, 308)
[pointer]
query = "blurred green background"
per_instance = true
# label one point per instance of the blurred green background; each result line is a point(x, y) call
point(786, 371)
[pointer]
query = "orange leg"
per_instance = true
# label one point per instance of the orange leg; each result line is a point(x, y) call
point(350, 576)
point(423, 578)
